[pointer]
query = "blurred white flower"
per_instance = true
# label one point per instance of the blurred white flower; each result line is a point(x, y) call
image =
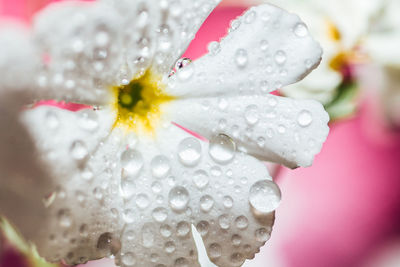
point(128, 178)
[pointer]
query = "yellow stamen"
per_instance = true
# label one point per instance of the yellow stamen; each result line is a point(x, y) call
point(138, 103)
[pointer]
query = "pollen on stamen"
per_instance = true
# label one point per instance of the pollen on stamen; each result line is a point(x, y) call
point(138, 103)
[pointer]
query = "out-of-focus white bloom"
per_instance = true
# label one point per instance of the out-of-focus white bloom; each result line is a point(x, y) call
point(127, 178)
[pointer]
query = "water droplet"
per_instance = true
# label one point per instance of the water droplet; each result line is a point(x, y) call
point(250, 17)
point(178, 198)
point(169, 247)
point(280, 57)
point(214, 48)
point(128, 187)
point(78, 150)
point(222, 149)
point(304, 118)
point(214, 251)
point(64, 218)
point(300, 29)
point(165, 230)
point(181, 262)
point(264, 196)
point(224, 221)
point(128, 216)
point(281, 129)
point(84, 230)
point(131, 162)
point(142, 201)
point(264, 45)
point(52, 122)
point(183, 62)
point(200, 179)
point(241, 222)
point(156, 187)
point(241, 58)
point(251, 114)
point(147, 236)
point(107, 242)
point(160, 214)
point(236, 240)
point(182, 229)
point(203, 227)
point(235, 24)
point(160, 166)
point(262, 235)
point(128, 259)
point(206, 203)
point(184, 74)
point(87, 173)
point(189, 151)
point(88, 120)
point(227, 202)
point(237, 259)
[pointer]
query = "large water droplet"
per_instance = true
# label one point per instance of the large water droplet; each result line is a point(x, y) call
point(304, 118)
point(300, 29)
point(241, 58)
point(186, 73)
point(203, 227)
point(169, 247)
point(108, 243)
point(178, 198)
point(182, 229)
point(132, 163)
point(241, 222)
point(224, 221)
point(160, 166)
point(200, 179)
point(222, 148)
point(264, 196)
point(189, 151)
point(214, 251)
point(262, 235)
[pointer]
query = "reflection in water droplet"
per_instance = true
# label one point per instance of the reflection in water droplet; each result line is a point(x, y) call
point(222, 149)
point(189, 151)
point(304, 118)
point(241, 58)
point(160, 166)
point(132, 163)
point(178, 198)
point(264, 196)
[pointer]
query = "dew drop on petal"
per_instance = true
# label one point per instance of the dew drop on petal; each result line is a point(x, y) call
point(241, 58)
point(215, 251)
point(264, 45)
point(182, 229)
point(160, 166)
point(203, 227)
point(128, 259)
point(241, 222)
point(280, 57)
point(250, 17)
point(227, 202)
point(178, 198)
point(264, 196)
point(304, 118)
point(206, 203)
point(64, 218)
point(160, 214)
point(300, 29)
point(200, 179)
point(189, 151)
point(186, 73)
point(222, 149)
point(88, 120)
point(142, 201)
point(51, 120)
point(262, 235)
point(183, 62)
point(132, 163)
point(251, 114)
point(224, 221)
point(78, 150)
point(214, 48)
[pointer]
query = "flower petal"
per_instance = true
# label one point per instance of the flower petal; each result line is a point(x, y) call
point(18, 61)
point(80, 43)
point(49, 158)
point(172, 183)
point(172, 23)
point(267, 48)
point(272, 128)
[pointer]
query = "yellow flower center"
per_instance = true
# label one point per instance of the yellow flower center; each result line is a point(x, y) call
point(138, 103)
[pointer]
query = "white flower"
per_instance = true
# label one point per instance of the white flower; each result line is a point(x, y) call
point(340, 27)
point(121, 178)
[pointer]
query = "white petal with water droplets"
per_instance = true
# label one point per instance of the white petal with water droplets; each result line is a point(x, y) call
point(271, 128)
point(221, 209)
point(170, 24)
point(261, 53)
point(81, 46)
point(62, 176)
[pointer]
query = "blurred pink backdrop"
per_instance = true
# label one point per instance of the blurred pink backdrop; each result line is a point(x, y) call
point(344, 210)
